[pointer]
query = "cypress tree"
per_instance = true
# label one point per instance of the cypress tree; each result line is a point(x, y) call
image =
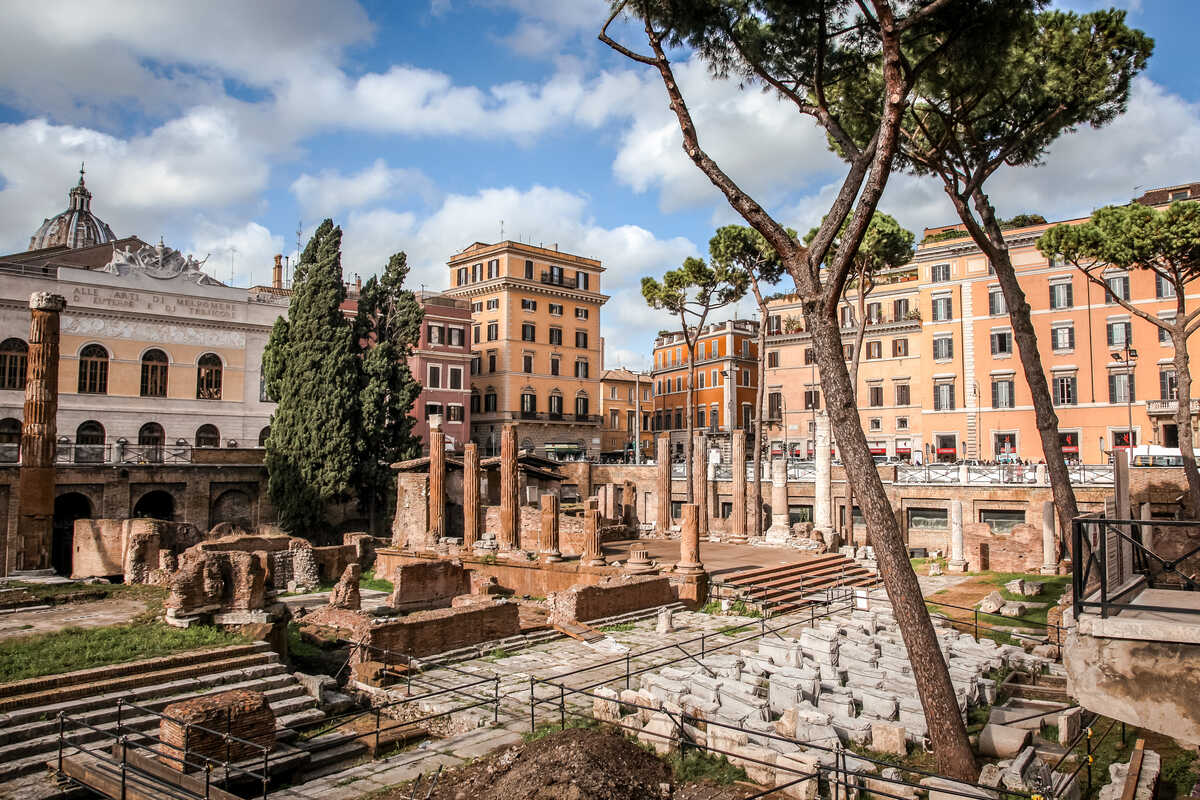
point(311, 370)
point(387, 328)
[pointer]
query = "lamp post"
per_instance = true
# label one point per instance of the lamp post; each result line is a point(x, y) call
point(1128, 357)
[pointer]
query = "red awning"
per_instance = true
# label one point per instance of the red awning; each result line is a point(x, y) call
point(1070, 448)
point(950, 450)
point(900, 450)
point(879, 451)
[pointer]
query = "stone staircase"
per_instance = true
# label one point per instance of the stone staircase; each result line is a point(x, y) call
point(794, 586)
point(29, 709)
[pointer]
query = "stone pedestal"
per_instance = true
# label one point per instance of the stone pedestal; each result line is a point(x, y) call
point(592, 556)
point(470, 495)
point(35, 508)
point(510, 510)
point(549, 538)
point(699, 478)
point(639, 562)
point(662, 471)
point(1049, 545)
point(689, 540)
point(779, 531)
point(958, 561)
point(737, 466)
point(437, 485)
point(823, 486)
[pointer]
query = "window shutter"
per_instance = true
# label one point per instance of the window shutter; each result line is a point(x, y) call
point(1112, 388)
point(1109, 332)
point(1071, 337)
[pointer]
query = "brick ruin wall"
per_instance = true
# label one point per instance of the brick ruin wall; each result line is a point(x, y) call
point(422, 633)
point(522, 578)
point(613, 596)
point(1020, 550)
point(195, 727)
point(107, 547)
point(428, 584)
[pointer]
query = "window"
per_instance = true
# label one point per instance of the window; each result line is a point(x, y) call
point(996, 306)
point(528, 404)
point(14, 362)
point(493, 331)
point(475, 334)
point(775, 405)
point(1120, 387)
point(492, 361)
point(208, 377)
point(1062, 337)
point(1118, 288)
point(581, 279)
point(456, 378)
point(477, 272)
point(556, 336)
point(1168, 385)
point(809, 359)
point(435, 334)
point(1124, 438)
point(943, 309)
point(154, 374)
point(556, 406)
point(581, 408)
point(489, 401)
point(433, 408)
point(772, 358)
point(556, 310)
point(902, 396)
point(528, 332)
point(435, 377)
point(528, 304)
point(474, 404)
point(1163, 289)
point(581, 369)
point(899, 309)
point(454, 413)
point(151, 437)
point(262, 436)
point(476, 368)
point(899, 348)
point(939, 273)
point(528, 269)
point(208, 436)
point(700, 379)
point(875, 424)
point(89, 442)
point(848, 352)
point(1060, 295)
point(1002, 343)
point(812, 399)
point(554, 365)
point(847, 316)
point(875, 396)
point(679, 383)
point(581, 313)
point(874, 350)
point(493, 268)
point(874, 313)
point(1164, 336)
point(700, 417)
point(943, 348)
point(476, 307)
point(1001, 520)
point(1002, 393)
point(928, 519)
point(1063, 389)
point(943, 397)
point(774, 325)
point(581, 339)
point(493, 303)
point(462, 276)
point(527, 363)
point(1120, 334)
point(901, 423)
point(716, 378)
point(456, 337)
point(93, 370)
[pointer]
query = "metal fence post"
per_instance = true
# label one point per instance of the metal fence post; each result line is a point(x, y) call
point(977, 624)
point(60, 741)
point(496, 706)
point(187, 736)
point(702, 647)
point(1089, 760)
point(267, 771)
point(120, 703)
point(562, 708)
point(532, 724)
point(208, 776)
point(626, 669)
point(124, 741)
point(378, 714)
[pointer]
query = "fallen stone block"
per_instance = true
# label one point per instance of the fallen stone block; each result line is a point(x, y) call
point(792, 769)
point(606, 706)
point(879, 705)
point(1070, 723)
point(1002, 741)
point(888, 785)
point(992, 603)
point(852, 729)
point(946, 789)
point(1013, 610)
point(659, 732)
point(888, 738)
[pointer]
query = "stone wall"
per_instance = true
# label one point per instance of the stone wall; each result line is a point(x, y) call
point(522, 578)
point(1020, 550)
point(412, 510)
point(132, 548)
point(333, 560)
point(195, 727)
point(612, 596)
point(422, 633)
point(428, 584)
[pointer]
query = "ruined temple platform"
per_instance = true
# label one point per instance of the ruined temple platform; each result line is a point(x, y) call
point(720, 558)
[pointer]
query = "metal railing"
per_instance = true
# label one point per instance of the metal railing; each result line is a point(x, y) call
point(1113, 558)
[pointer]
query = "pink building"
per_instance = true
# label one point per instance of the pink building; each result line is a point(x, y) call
point(441, 363)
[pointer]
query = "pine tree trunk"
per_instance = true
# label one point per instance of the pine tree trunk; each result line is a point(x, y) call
point(990, 239)
point(946, 729)
point(1183, 411)
point(760, 394)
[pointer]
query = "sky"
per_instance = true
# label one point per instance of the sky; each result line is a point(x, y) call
point(224, 127)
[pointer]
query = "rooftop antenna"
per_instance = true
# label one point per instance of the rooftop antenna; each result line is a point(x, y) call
point(502, 230)
point(232, 255)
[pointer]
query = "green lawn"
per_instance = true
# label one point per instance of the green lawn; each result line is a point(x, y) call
point(1053, 587)
point(369, 581)
point(62, 592)
point(80, 648)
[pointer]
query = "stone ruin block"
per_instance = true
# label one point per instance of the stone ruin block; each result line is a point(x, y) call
point(346, 593)
point(193, 730)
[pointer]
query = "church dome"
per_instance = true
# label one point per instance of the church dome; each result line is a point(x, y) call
point(76, 227)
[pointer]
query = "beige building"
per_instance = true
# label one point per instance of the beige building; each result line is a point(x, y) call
point(538, 355)
point(626, 411)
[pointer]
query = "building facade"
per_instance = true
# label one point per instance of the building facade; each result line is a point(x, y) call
point(726, 379)
point(441, 362)
point(626, 409)
point(535, 337)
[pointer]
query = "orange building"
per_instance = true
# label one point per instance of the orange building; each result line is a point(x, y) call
point(626, 408)
point(726, 380)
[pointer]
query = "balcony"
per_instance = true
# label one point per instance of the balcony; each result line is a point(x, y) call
point(559, 280)
point(1159, 408)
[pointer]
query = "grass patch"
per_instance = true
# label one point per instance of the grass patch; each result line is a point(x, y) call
point(1179, 767)
point(696, 766)
point(369, 581)
point(299, 647)
point(81, 648)
point(72, 592)
point(923, 563)
point(737, 607)
point(617, 627)
point(734, 630)
point(967, 625)
point(498, 654)
point(549, 728)
point(1179, 773)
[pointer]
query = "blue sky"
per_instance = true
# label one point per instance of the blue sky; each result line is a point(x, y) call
point(421, 125)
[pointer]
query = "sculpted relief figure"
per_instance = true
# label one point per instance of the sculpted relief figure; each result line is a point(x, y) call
point(161, 262)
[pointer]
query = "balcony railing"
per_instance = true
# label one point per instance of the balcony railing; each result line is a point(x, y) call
point(559, 280)
point(1158, 407)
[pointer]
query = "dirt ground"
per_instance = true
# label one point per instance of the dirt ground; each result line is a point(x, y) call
point(92, 614)
point(576, 764)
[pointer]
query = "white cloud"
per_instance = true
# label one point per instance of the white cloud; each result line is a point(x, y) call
point(330, 191)
point(242, 255)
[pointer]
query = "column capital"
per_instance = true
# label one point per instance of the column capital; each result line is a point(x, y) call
point(47, 301)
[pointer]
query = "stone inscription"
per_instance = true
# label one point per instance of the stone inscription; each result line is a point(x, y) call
point(147, 302)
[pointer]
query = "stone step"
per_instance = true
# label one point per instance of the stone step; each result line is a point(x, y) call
point(111, 671)
point(787, 575)
point(327, 760)
point(812, 563)
point(807, 588)
point(201, 665)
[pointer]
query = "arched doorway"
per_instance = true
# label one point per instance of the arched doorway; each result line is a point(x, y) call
point(156, 505)
point(67, 508)
point(233, 506)
point(89, 443)
point(151, 440)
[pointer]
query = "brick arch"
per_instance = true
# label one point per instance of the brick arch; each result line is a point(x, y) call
point(234, 506)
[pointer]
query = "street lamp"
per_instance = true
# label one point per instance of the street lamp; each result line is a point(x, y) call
point(1128, 357)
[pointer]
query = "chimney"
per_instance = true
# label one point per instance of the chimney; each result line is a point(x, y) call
point(277, 272)
point(357, 284)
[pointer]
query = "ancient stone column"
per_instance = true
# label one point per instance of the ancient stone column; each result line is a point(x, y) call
point(779, 530)
point(1049, 548)
point(737, 466)
point(629, 500)
point(699, 478)
point(470, 494)
point(958, 561)
point(510, 510)
point(663, 474)
point(592, 555)
point(437, 485)
point(549, 538)
point(689, 540)
point(823, 486)
point(35, 509)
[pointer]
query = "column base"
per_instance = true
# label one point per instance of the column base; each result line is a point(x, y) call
point(1049, 569)
point(689, 569)
point(593, 562)
point(956, 566)
point(551, 556)
point(779, 531)
point(739, 539)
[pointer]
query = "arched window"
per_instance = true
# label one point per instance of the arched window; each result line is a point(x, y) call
point(89, 443)
point(93, 370)
point(208, 377)
point(14, 359)
point(208, 436)
point(151, 439)
point(154, 374)
point(10, 440)
point(262, 436)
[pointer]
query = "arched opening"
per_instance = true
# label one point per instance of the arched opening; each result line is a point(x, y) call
point(67, 508)
point(157, 504)
point(89, 443)
point(208, 377)
point(262, 436)
point(208, 436)
point(151, 439)
point(154, 374)
point(235, 507)
point(93, 370)
point(10, 440)
point(14, 361)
